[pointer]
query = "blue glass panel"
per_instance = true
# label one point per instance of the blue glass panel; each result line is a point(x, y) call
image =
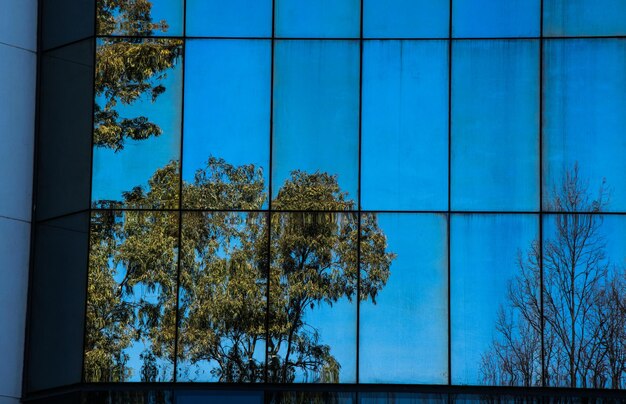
point(584, 121)
point(148, 18)
point(403, 398)
point(584, 17)
point(227, 99)
point(404, 333)
point(233, 18)
point(405, 125)
point(406, 18)
point(495, 18)
point(316, 112)
point(584, 289)
point(222, 297)
point(131, 296)
point(493, 259)
point(495, 125)
point(318, 19)
point(137, 134)
point(313, 278)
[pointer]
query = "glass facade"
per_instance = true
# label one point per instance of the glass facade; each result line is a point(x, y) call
point(357, 192)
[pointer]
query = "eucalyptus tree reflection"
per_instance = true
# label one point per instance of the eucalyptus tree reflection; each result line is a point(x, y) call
point(584, 322)
point(223, 277)
point(128, 69)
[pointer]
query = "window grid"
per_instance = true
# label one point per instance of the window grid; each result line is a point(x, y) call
point(540, 213)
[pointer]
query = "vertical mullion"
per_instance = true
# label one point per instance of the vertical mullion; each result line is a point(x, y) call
point(180, 193)
point(359, 207)
point(270, 195)
point(540, 236)
point(449, 216)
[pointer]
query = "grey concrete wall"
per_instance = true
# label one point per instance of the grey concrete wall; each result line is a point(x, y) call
point(18, 45)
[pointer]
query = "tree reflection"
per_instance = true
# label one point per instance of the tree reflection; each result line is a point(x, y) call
point(224, 276)
point(128, 69)
point(584, 321)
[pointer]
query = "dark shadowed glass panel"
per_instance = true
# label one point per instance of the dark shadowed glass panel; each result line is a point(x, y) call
point(313, 279)
point(222, 297)
point(129, 396)
point(495, 18)
point(131, 297)
point(495, 125)
point(316, 114)
point(406, 18)
point(584, 293)
point(233, 18)
point(402, 398)
point(404, 323)
point(318, 19)
point(293, 397)
point(227, 113)
point(137, 123)
point(57, 305)
point(64, 130)
point(584, 120)
point(65, 21)
point(405, 125)
point(584, 17)
point(495, 300)
point(219, 397)
point(140, 18)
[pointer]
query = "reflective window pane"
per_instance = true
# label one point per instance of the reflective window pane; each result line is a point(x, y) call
point(222, 297)
point(62, 21)
point(495, 300)
point(405, 125)
point(316, 117)
point(406, 18)
point(140, 18)
point(404, 325)
point(57, 296)
point(227, 112)
point(313, 280)
point(318, 19)
point(584, 290)
point(584, 120)
point(65, 129)
point(131, 297)
point(233, 18)
point(495, 18)
point(495, 125)
point(584, 17)
point(402, 398)
point(137, 123)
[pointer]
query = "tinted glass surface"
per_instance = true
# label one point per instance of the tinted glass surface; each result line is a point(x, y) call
point(65, 127)
point(137, 123)
point(584, 123)
point(495, 18)
point(495, 300)
point(222, 297)
point(318, 19)
point(131, 297)
point(316, 112)
point(584, 17)
point(405, 125)
point(404, 329)
point(140, 18)
point(226, 138)
point(405, 18)
point(584, 282)
point(495, 125)
point(55, 353)
point(313, 276)
point(235, 18)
